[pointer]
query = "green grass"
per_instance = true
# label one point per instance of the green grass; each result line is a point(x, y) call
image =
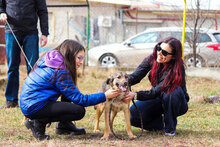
point(200, 126)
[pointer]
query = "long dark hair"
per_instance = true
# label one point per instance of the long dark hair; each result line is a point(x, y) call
point(173, 77)
point(69, 49)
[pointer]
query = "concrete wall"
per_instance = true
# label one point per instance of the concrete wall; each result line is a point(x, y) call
point(71, 23)
point(65, 23)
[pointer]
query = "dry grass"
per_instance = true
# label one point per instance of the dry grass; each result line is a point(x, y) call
point(200, 126)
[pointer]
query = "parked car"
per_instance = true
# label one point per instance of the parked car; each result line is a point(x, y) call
point(132, 51)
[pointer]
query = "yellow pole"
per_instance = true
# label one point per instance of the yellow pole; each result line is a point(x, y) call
point(87, 32)
point(184, 25)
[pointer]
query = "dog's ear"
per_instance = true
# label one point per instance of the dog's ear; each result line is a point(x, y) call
point(109, 80)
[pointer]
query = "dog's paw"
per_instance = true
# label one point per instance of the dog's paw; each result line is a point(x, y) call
point(104, 138)
point(96, 131)
point(132, 136)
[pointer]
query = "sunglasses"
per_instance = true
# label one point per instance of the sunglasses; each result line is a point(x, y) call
point(164, 52)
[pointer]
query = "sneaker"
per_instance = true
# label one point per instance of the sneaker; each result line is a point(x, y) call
point(172, 133)
point(9, 104)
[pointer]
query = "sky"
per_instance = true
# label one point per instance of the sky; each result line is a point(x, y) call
point(214, 4)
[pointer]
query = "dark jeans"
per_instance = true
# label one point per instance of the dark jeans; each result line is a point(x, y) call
point(30, 48)
point(59, 111)
point(171, 105)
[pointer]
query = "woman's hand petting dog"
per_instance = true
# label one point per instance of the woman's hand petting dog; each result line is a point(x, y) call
point(111, 93)
point(128, 97)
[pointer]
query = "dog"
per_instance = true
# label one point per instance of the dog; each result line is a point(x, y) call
point(118, 80)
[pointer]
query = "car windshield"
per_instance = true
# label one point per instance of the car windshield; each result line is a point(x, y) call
point(145, 38)
point(217, 36)
point(201, 37)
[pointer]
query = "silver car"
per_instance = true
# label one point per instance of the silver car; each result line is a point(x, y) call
point(132, 51)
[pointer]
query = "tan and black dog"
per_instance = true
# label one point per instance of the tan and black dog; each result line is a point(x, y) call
point(119, 80)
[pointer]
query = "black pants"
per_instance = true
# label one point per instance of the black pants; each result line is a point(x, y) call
point(59, 111)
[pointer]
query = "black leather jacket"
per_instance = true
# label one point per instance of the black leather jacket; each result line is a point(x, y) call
point(23, 15)
point(142, 70)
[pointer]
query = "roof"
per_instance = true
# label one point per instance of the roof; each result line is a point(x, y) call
point(126, 3)
point(180, 29)
point(66, 2)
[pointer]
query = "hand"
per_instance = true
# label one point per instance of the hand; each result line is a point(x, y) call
point(109, 94)
point(3, 17)
point(43, 40)
point(128, 97)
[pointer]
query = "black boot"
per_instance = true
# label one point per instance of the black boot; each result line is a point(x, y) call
point(37, 128)
point(68, 128)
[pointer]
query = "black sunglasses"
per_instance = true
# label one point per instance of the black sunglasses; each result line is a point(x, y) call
point(164, 52)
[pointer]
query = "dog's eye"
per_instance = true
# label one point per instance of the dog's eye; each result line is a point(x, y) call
point(118, 77)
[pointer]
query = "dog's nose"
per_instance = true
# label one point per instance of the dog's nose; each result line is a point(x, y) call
point(125, 83)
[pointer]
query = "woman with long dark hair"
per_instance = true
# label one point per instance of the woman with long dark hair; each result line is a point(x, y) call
point(55, 75)
point(167, 99)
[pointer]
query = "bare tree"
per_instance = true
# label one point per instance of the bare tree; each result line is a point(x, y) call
point(195, 19)
point(198, 18)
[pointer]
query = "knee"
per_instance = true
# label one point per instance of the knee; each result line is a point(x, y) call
point(132, 109)
point(133, 115)
point(134, 121)
point(173, 96)
point(136, 117)
point(81, 112)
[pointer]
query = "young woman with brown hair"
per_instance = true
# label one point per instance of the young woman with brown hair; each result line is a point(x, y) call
point(55, 75)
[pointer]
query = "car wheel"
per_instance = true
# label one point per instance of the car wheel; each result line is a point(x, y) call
point(108, 60)
point(189, 60)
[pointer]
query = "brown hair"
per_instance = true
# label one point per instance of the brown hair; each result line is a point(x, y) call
point(69, 49)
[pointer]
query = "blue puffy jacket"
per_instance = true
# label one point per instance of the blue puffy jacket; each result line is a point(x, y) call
point(39, 89)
